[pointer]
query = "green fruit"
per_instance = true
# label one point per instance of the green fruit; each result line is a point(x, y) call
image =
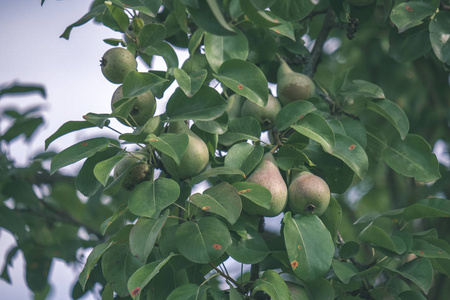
point(136, 169)
point(116, 63)
point(297, 291)
point(267, 175)
point(195, 158)
point(264, 114)
point(293, 86)
point(361, 3)
point(143, 109)
point(234, 106)
point(308, 194)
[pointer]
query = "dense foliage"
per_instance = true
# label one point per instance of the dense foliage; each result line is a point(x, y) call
point(316, 114)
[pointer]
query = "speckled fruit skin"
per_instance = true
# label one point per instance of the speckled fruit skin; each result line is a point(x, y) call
point(264, 114)
point(361, 3)
point(138, 173)
point(143, 109)
point(116, 63)
point(308, 194)
point(267, 175)
point(293, 86)
point(195, 158)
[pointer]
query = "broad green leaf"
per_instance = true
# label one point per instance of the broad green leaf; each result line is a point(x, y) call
point(219, 49)
point(174, 145)
point(235, 295)
point(91, 261)
point(291, 113)
point(249, 248)
point(102, 170)
point(153, 125)
point(77, 152)
point(320, 289)
point(285, 28)
point(118, 264)
point(309, 246)
point(87, 182)
point(431, 248)
point(418, 271)
point(411, 295)
point(363, 88)
point(349, 250)
point(392, 113)
point(273, 284)
point(244, 157)
point(190, 83)
point(344, 271)
point(377, 236)
point(203, 241)
point(428, 208)
point(196, 40)
point(122, 110)
point(439, 37)
point(222, 199)
point(292, 10)
point(137, 83)
point(254, 192)
point(149, 7)
point(213, 172)
point(354, 129)
point(350, 152)
point(189, 291)
point(149, 198)
point(151, 34)
point(332, 217)
point(216, 126)
point(245, 79)
point(258, 16)
point(143, 275)
point(205, 105)
point(413, 157)
point(207, 15)
point(316, 128)
point(409, 45)
point(166, 51)
point(119, 16)
point(117, 214)
point(26, 126)
point(240, 129)
point(66, 128)
point(410, 14)
point(18, 88)
point(99, 120)
point(143, 235)
point(94, 12)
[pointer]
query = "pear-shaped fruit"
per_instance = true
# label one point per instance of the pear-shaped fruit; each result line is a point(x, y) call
point(308, 194)
point(137, 170)
point(143, 109)
point(293, 86)
point(267, 175)
point(264, 114)
point(195, 158)
point(116, 63)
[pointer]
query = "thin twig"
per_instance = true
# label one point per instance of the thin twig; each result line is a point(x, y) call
point(240, 288)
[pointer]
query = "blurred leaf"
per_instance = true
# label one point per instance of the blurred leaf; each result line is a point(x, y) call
point(439, 37)
point(91, 261)
point(190, 83)
point(418, 271)
point(149, 7)
point(117, 214)
point(409, 45)
point(250, 248)
point(26, 126)
point(174, 145)
point(309, 246)
point(316, 128)
point(410, 14)
point(427, 208)
point(67, 127)
point(363, 88)
point(292, 10)
point(18, 88)
point(273, 284)
point(258, 16)
point(291, 113)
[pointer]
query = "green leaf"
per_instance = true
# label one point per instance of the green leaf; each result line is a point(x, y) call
point(219, 49)
point(291, 113)
point(292, 10)
point(418, 271)
point(99, 120)
point(143, 235)
point(410, 14)
point(309, 246)
point(149, 7)
point(258, 16)
point(205, 105)
point(190, 83)
point(103, 169)
point(431, 248)
point(174, 145)
point(392, 113)
point(239, 129)
point(412, 157)
point(249, 248)
point(144, 274)
point(151, 34)
point(244, 157)
point(77, 152)
point(332, 217)
point(439, 37)
point(222, 199)
point(137, 83)
point(377, 236)
point(273, 284)
point(203, 241)
point(26, 126)
point(94, 12)
point(189, 291)
point(149, 198)
point(17, 88)
point(344, 271)
point(320, 289)
point(216, 126)
point(119, 16)
point(363, 88)
point(91, 261)
point(351, 128)
point(117, 214)
point(118, 264)
point(316, 128)
point(208, 16)
point(166, 51)
point(409, 45)
point(245, 79)
point(213, 172)
point(428, 208)
point(350, 152)
point(254, 192)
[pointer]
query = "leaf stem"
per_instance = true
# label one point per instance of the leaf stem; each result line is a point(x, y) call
point(239, 287)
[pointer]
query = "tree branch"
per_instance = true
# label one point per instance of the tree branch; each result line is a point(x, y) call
point(239, 287)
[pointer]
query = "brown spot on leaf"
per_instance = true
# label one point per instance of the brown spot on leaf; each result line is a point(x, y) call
point(240, 86)
point(206, 208)
point(408, 8)
point(217, 246)
point(135, 292)
point(85, 117)
point(277, 31)
point(421, 252)
point(352, 147)
point(299, 247)
point(244, 191)
point(301, 117)
point(294, 264)
point(394, 220)
point(84, 144)
point(155, 140)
